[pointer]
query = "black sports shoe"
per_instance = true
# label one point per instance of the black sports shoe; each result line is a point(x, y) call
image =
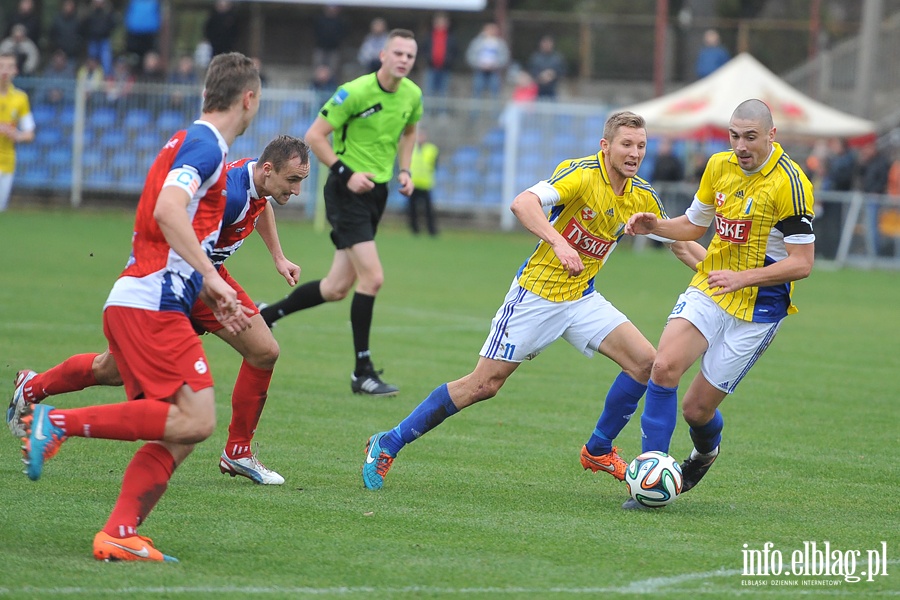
point(693, 469)
point(261, 306)
point(370, 383)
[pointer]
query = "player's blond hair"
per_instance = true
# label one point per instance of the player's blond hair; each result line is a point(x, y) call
point(228, 76)
point(624, 118)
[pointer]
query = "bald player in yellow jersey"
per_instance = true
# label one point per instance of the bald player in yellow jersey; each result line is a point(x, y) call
point(762, 207)
point(552, 296)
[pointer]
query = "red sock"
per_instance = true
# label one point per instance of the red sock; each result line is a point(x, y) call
point(247, 402)
point(130, 421)
point(71, 375)
point(144, 483)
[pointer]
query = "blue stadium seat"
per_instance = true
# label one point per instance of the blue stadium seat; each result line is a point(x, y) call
point(43, 113)
point(93, 158)
point(267, 127)
point(49, 136)
point(34, 174)
point(27, 153)
point(114, 140)
point(59, 156)
point(170, 121)
point(493, 139)
point(138, 118)
point(467, 158)
point(102, 117)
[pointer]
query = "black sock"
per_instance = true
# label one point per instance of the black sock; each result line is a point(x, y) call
point(361, 309)
point(305, 296)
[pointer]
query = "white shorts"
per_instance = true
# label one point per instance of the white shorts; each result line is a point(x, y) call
point(734, 345)
point(528, 323)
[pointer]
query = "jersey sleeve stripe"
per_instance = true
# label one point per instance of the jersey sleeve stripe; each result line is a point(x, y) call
point(797, 193)
point(584, 164)
point(643, 185)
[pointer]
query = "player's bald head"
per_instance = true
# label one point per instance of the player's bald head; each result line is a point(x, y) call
point(756, 111)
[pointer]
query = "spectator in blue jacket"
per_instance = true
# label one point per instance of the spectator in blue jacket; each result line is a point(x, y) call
point(713, 54)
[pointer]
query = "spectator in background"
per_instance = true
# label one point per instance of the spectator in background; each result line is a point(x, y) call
point(26, 15)
point(439, 50)
point(152, 69)
point(119, 83)
point(59, 75)
point(257, 62)
point(872, 171)
point(839, 167)
point(547, 66)
point(423, 166)
point(667, 167)
point(92, 74)
point(323, 83)
point(143, 19)
point(16, 124)
point(65, 31)
point(222, 27)
point(713, 54)
point(525, 89)
point(369, 55)
point(330, 31)
point(183, 77)
point(185, 72)
point(97, 28)
point(18, 44)
point(488, 55)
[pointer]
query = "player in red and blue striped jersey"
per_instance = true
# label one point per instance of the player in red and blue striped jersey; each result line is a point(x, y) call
point(762, 205)
point(250, 184)
point(161, 360)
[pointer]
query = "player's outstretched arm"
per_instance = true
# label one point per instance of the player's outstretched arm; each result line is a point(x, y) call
point(268, 231)
point(527, 208)
point(689, 252)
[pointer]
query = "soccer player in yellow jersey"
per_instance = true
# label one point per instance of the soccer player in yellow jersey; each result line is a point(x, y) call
point(552, 296)
point(762, 206)
point(16, 124)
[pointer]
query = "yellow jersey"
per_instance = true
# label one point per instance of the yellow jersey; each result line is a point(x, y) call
point(14, 107)
point(592, 219)
point(753, 214)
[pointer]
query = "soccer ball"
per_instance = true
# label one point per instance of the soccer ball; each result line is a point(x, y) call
point(654, 479)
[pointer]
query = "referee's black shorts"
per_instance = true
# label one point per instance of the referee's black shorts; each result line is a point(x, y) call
point(353, 217)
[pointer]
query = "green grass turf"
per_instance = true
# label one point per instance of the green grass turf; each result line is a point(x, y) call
point(492, 503)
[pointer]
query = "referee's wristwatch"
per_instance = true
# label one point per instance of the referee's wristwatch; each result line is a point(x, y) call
point(405, 171)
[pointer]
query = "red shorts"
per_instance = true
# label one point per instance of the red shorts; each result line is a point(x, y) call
point(202, 317)
point(157, 352)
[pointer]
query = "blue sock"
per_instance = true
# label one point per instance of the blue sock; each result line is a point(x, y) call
point(621, 402)
point(658, 420)
point(425, 417)
point(707, 437)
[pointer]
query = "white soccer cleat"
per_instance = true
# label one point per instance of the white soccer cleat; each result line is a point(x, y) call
point(251, 468)
point(17, 403)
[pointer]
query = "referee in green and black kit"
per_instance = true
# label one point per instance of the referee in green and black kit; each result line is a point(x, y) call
point(373, 119)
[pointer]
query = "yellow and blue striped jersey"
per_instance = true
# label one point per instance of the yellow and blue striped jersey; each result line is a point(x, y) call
point(751, 212)
point(14, 106)
point(592, 218)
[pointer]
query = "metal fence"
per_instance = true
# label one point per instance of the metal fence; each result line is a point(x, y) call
point(98, 141)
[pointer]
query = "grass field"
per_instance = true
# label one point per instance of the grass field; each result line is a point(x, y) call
point(492, 503)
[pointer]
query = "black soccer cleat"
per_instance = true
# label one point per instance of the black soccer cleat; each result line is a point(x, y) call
point(693, 469)
point(371, 384)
